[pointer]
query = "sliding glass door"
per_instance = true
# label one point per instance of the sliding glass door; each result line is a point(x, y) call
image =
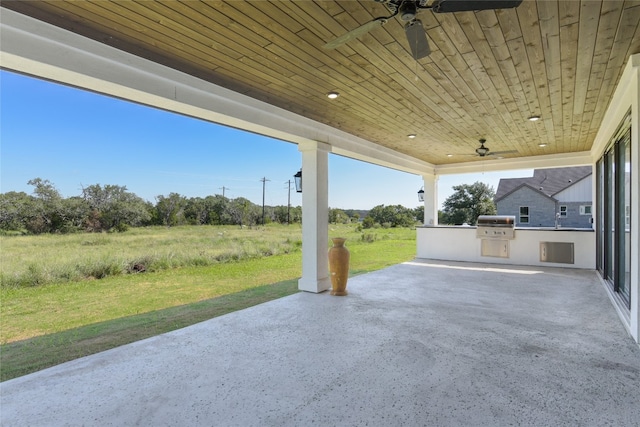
point(613, 217)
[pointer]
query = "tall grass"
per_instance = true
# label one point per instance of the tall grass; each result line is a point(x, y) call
point(27, 261)
point(183, 275)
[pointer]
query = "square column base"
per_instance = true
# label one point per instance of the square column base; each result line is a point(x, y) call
point(315, 286)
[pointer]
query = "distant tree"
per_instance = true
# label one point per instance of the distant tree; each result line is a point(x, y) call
point(243, 212)
point(15, 210)
point(217, 210)
point(356, 214)
point(196, 211)
point(338, 216)
point(113, 207)
point(393, 216)
point(44, 190)
point(45, 217)
point(74, 212)
point(296, 214)
point(269, 214)
point(467, 203)
point(280, 214)
point(169, 208)
point(293, 214)
point(418, 214)
point(368, 222)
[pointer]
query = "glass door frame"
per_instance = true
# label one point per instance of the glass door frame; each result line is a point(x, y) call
point(611, 230)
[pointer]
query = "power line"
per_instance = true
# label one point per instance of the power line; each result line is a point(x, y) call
point(223, 188)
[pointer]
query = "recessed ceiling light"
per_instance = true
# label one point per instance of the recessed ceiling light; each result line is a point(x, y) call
point(534, 118)
point(542, 144)
point(333, 95)
point(449, 155)
point(411, 136)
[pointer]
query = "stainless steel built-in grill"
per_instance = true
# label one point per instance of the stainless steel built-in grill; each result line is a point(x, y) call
point(496, 227)
point(495, 231)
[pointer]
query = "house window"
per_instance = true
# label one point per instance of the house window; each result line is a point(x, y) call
point(585, 210)
point(524, 214)
point(563, 211)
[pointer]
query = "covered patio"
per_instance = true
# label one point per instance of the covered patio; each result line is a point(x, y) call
point(420, 343)
point(547, 84)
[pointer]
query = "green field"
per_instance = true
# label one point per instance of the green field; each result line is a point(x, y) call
point(66, 296)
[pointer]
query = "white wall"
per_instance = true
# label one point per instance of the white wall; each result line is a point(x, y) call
point(461, 244)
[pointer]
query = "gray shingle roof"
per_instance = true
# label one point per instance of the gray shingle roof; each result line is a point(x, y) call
point(547, 181)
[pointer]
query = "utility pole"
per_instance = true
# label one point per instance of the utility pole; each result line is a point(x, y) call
point(223, 188)
point(264, 182)
point(288, 201)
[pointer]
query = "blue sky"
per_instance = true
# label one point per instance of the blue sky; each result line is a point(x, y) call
point(76, 138)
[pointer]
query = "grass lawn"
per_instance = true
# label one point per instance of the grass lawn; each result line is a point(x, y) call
point(53, 323)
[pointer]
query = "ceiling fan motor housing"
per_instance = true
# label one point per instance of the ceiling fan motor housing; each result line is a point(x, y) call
point(482, 150)
point(408, 11)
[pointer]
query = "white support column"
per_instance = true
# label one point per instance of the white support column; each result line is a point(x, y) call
point(315, 217)
point(430, 199)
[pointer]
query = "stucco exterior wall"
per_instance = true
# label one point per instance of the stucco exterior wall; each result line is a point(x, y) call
point(462, 244)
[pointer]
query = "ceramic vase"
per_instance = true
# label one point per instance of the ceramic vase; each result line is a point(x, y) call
point(339, 266)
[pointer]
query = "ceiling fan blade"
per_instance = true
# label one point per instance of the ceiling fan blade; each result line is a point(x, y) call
point(357, 32)
point(499, 153)
point(417, 39)
point(446, 6)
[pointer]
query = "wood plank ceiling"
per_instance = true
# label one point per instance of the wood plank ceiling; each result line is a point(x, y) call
point(487, 73)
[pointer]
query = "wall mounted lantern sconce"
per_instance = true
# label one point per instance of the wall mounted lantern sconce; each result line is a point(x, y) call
point(298, 180)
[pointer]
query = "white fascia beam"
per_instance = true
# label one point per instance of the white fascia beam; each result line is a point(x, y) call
point(36, 48)
point(534, 162)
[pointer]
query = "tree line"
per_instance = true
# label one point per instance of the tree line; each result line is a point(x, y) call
point(113, 208)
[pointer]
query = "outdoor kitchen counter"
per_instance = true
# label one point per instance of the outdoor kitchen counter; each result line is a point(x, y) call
point(459, 243)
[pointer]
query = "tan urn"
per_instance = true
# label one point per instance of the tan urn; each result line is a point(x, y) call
point(339, 266)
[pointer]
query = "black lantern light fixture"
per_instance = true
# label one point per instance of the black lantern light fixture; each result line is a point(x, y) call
point(421, 195)
point(298, 180)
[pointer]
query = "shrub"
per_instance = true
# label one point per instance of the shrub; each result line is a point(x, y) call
point(368, 237)
point(101, 269)
point(33, 276)
point(368, 222)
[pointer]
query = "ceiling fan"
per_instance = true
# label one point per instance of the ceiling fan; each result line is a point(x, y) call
point(408, 10)
point(484, 151)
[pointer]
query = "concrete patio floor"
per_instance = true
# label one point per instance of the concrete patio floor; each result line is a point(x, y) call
point(424, 343)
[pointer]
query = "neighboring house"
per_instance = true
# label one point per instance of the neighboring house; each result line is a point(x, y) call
point(561, 196)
